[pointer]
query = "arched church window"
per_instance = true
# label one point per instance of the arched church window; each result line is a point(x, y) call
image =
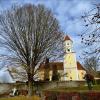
point(68, 49)
point(67, 43)
point(82, 73)
point(70, 77)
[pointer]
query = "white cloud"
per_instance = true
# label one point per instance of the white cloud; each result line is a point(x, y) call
point(5, 77)
point(68, 12)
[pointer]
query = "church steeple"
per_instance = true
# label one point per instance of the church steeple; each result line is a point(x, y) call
point(68, 44)
point(70, 65)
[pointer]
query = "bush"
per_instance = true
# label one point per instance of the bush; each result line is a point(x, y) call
point(97, 81)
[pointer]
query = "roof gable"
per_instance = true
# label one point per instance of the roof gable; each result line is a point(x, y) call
point(79, 66)
point(67, 38)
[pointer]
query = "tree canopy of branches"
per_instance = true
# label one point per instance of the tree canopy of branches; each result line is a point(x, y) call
point(91, 65)
point(30, 33)
point(91, 36)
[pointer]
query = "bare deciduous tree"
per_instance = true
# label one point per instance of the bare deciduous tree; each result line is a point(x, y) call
point(91, 64)
point(91, 36)
point(30, 33)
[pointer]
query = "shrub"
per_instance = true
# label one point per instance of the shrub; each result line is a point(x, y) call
point(97, 81)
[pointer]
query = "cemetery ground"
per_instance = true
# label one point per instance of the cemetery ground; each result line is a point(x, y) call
point(21, 98)
point(73, 93)
point(52, 92)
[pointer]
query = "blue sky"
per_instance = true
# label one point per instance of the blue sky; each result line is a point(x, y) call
point(68, 13)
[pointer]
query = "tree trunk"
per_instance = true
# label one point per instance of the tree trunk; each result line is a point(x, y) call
point(30, 84)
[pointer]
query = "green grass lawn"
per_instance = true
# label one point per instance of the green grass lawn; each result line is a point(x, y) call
point(21, 98)
point(75, 89)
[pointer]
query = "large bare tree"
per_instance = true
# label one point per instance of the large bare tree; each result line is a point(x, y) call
point(31, 33)
point(91, 36)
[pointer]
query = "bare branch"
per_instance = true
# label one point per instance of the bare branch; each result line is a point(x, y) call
point(30, 33)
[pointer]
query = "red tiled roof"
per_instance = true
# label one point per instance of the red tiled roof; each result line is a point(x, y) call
point(59, 65)
point(67, 38)
point(79, 66)
point(41, 66)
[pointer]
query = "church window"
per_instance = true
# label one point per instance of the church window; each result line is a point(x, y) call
point(68, 49)
point(82, 73)
point(70, 77)
point(67, 43)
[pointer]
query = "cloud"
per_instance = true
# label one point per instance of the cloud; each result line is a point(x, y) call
point(68, 13)
point(5, 77)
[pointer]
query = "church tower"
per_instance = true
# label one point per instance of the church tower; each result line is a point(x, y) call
point(70, 63)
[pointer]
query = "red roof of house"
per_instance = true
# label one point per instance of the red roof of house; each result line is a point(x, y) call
point(79, 66)
point(67, 38)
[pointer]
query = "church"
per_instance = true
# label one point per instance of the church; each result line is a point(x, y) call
point(69, 70)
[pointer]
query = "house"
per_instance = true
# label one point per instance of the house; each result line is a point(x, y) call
point(69, 69)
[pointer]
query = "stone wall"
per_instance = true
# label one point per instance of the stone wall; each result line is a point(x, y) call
point(7, 87)
point(49, 85)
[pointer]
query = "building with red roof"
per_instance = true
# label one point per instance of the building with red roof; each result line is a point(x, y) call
point(69, 69)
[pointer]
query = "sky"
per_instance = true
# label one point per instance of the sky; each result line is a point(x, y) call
point(68, 13)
